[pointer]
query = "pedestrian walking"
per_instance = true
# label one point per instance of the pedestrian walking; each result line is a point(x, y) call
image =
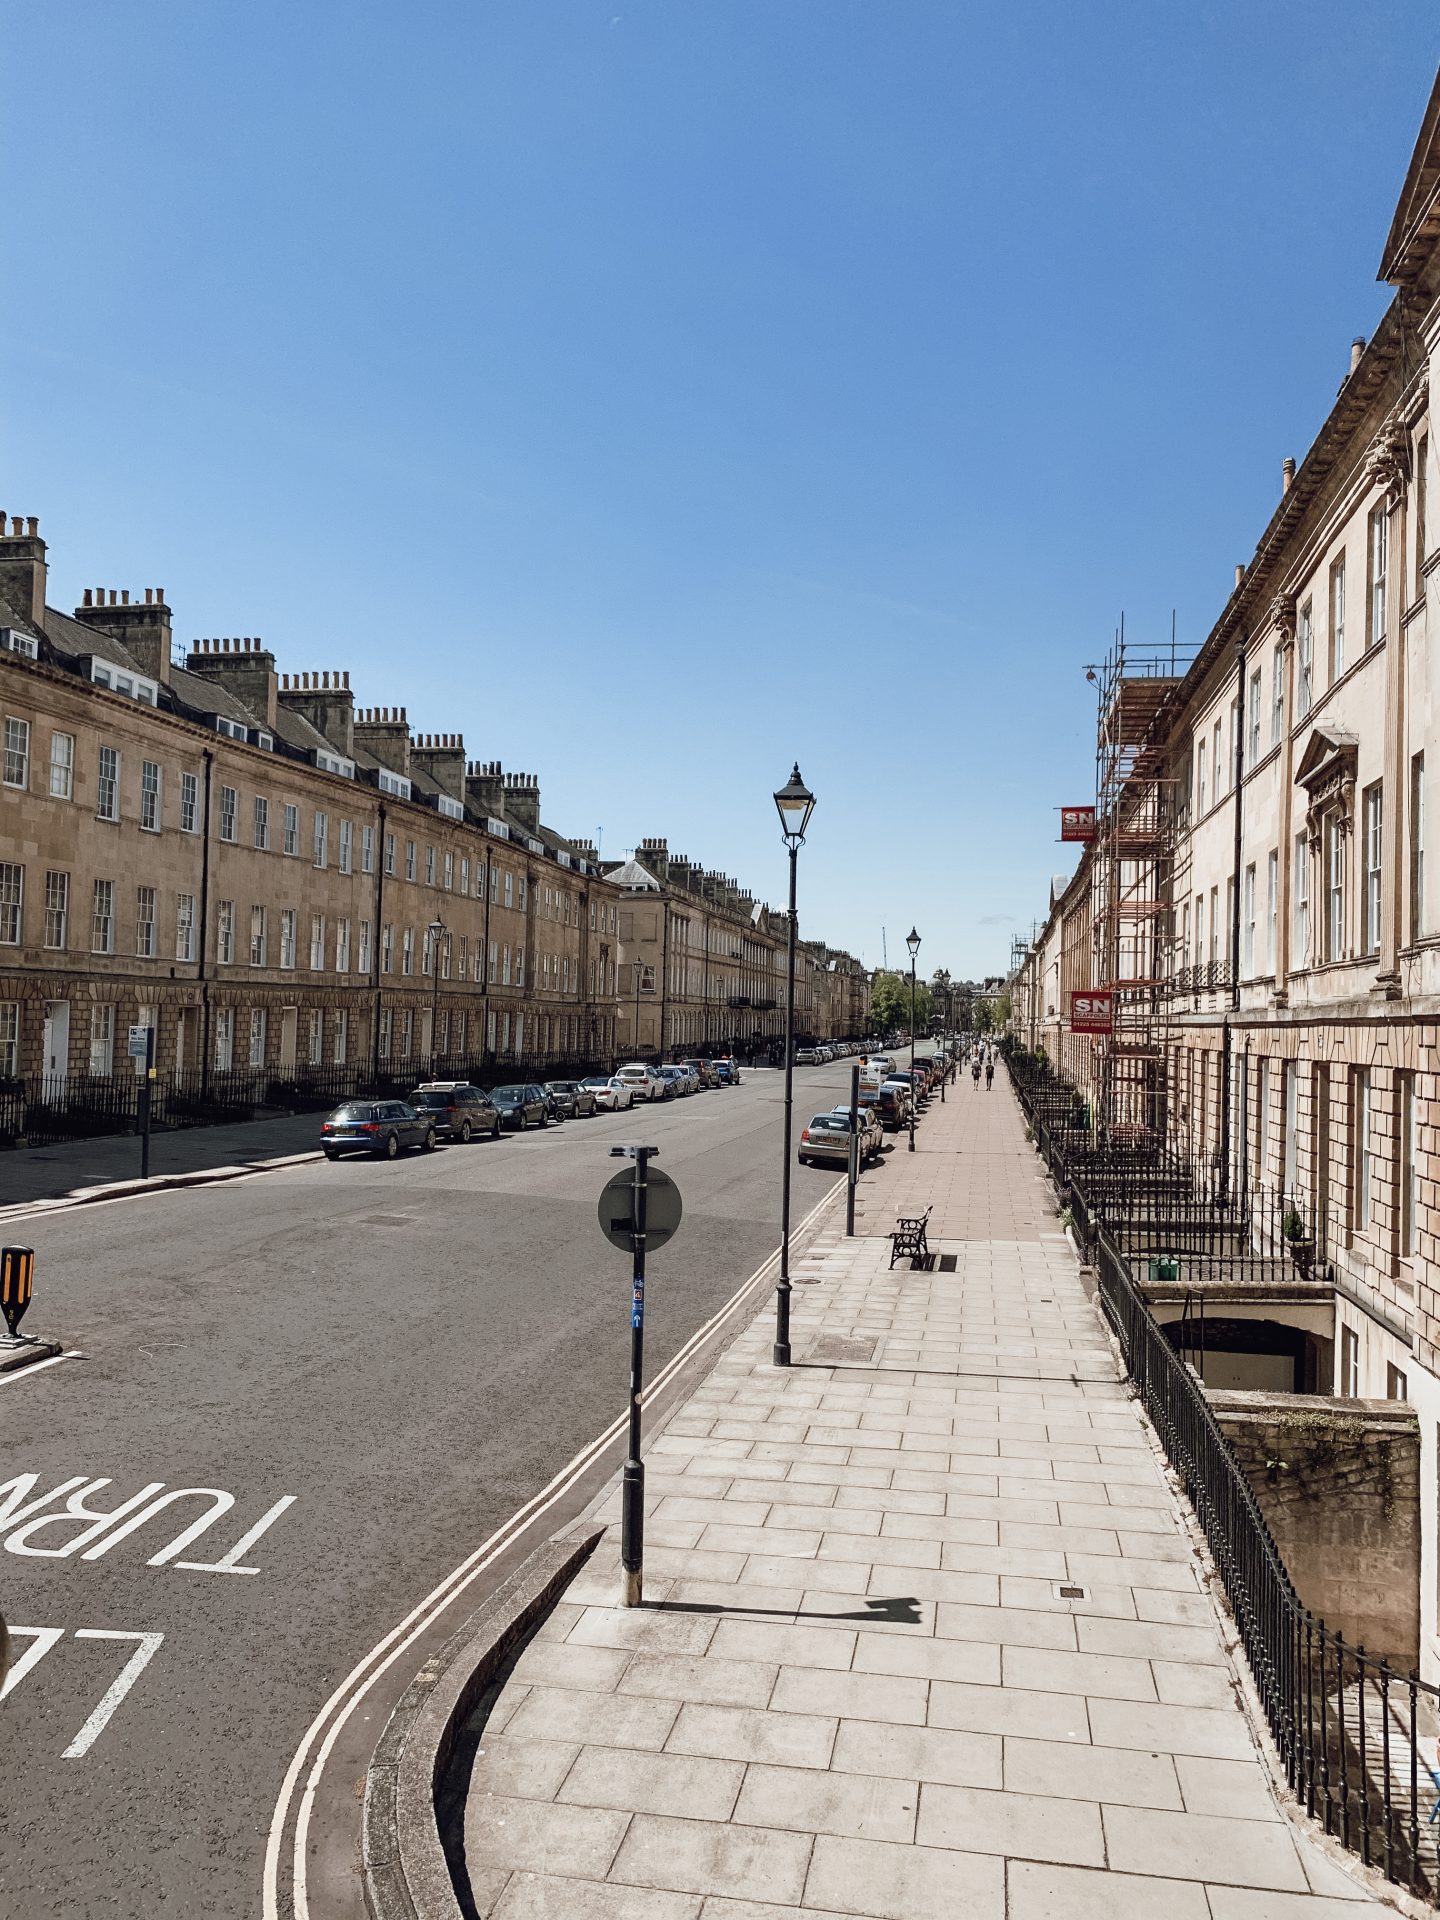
point(975, 1069)
point(989, 1070)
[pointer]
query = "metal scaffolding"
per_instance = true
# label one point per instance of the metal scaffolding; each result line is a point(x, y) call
point(1140, 846)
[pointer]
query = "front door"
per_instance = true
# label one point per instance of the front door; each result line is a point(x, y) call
point(57, 1047)
point(289, 1020)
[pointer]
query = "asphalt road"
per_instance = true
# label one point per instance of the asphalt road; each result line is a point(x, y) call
point(378, 1362)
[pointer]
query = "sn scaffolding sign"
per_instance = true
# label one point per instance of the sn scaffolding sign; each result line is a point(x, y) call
point(1092, 1011)
point(1077, 823)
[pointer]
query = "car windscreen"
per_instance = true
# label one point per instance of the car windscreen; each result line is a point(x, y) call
point(829, 1123)
point(353, 1113)
point(599, 1081)
point(509, 1095)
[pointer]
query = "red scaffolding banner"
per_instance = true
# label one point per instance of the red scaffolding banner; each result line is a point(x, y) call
point(1077, 823)
point(1092, 1011)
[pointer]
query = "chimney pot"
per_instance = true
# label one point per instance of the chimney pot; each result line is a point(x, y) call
point(160, 595)
point(15, 527)
point(1239, 573)
point(32, 527)
point(1357, 348)
point(87, 597)
point(124, 596)
point(1287, 473)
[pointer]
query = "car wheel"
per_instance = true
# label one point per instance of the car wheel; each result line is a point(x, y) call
point(332, 1153)
point(465, 1131)
point(391, 1147)
point(427, 1145)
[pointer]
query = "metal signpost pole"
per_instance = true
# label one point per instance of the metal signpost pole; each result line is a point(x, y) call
point(632, 1480)
point(854, 1151)
point(146, 1087)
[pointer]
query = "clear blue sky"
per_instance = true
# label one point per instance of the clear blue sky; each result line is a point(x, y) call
point(661, 391)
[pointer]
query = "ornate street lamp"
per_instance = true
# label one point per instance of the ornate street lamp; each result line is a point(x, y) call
point(436, 930)
point(912, 941)
point(795, 804)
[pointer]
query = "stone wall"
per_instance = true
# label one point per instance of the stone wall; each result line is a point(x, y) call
point(1339, 1483)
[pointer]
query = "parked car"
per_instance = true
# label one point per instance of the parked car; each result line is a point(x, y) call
point(522, 1106)
point(381, 1127)
point(611, 1094)
point(644, 1082)
point(571, 1099)
point(806, 1057)
point(892, 1103)
point(827, 1138)
point(733, 1064)
point(725, 1070)
point(872, 1134)
point(677, 1079)
point(458, 1109)
point(704, 1071)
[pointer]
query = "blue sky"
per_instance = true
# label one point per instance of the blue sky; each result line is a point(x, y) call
point(661, 393)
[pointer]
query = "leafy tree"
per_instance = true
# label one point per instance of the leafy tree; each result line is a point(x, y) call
point(890, 1003)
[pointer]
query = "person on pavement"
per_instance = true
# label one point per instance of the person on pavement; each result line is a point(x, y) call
point(989, 1071)
point(975, 1069)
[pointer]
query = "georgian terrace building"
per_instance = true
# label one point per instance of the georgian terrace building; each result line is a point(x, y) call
point(1296, 962)
point(705, 964)
point(272, 877)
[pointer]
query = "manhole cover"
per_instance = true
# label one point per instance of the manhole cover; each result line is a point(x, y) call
point(386, 1220)
point(834, 1350)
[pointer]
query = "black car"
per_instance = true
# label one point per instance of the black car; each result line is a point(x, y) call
point(521, 1106)
point(459, 1110)
point(569, 1099)
point(376, 1126)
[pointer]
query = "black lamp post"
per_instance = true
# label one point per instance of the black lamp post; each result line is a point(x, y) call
point(436, 931)
point(912, 941)
point(795, 804)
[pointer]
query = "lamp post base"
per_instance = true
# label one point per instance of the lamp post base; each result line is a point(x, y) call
point(780, 1353)
point(630, 1588)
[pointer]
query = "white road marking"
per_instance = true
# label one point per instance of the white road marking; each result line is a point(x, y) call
point(118, 1688)
point(16, 1374)
point(363, 1676)
point(230, 1562)
point(44, 1638)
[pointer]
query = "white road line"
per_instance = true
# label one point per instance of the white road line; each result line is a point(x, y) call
point(363, 1676)
point(36, 1366)
point(118, 1688)
point(44, 1638)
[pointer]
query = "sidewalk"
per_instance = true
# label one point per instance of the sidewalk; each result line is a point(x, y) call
point(48, 1173)
point(924, 1637)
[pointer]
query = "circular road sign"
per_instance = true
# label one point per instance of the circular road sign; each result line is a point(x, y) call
point(617, 1209)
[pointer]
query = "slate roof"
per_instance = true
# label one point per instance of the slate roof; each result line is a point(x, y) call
point(199, 695)
point(74, 639)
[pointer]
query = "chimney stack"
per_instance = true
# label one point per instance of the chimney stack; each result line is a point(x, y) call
point(22, 570)
point(245, 668)
point(384, 733)
point(442, 757)
point(326, 702)
point(143, 629)
point(522, 800)
point(485, 788)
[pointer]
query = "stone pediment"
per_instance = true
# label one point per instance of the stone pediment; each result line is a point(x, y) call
point(1328, 761)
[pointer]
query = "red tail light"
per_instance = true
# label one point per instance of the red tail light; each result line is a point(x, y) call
point(369, 1127)
point(806, 1134)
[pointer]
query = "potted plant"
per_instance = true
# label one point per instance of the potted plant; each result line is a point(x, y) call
point(1301, 1244)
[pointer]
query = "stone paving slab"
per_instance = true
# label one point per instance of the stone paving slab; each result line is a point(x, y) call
point(924, 1632)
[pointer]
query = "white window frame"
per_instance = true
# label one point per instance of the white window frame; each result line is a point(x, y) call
point(102, 917)
point(230, 815)
point(184, 926)
point(12, 903)
point(145, 923)
point(1374, 828)
point(17, 751)
point(57, 909)
point(189, 803)
point(225, 933)
point(287, 938)
point(261, 817)
point(107, 784)
point(290, 844)
point(62, 766)
point(1304, 662)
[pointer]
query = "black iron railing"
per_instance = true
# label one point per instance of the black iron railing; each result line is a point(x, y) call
point(1356, 1736)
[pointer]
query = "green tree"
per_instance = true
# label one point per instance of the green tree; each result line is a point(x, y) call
point(890, 1003)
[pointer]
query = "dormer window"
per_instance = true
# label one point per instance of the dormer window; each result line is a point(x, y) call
point(334, 763)
point(452, 809)
point(132, 685)
point(393, 783)
point(232, 729)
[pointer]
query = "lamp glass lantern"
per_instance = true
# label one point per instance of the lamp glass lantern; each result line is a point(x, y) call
point(912, 941)
point(795, 803)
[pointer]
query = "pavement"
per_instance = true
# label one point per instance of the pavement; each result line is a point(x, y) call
point(50, 1173)
point(380, 1366)
point(925, 1633)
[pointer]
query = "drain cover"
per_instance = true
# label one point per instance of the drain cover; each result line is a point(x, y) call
point(1070, 1593)
point(834, 1350)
